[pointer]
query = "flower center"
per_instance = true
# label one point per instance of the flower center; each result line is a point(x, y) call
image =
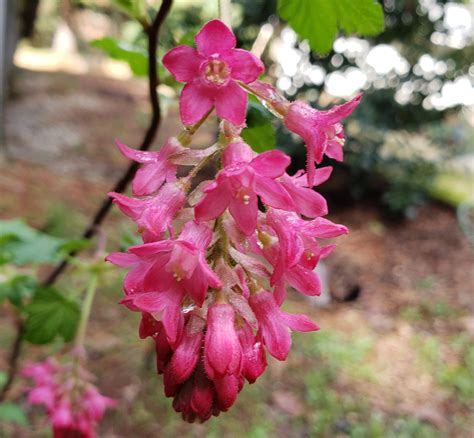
point(216, 72)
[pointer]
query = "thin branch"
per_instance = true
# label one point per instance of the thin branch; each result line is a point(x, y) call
point(152, 32)
point(153, 82)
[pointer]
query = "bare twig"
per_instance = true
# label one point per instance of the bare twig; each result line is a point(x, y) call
point(152, 31)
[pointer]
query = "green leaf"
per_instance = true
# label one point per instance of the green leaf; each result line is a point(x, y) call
point(134, 56)
point(12, 413)
point(134, 8)
point(18, 288)
point(50, 315)
point(262, 138)
point(74, 245)
point(21, 244)
point(260, 132)
point(319, 21)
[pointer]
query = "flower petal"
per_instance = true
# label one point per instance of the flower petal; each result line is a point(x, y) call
point(304, 280)
point(200, 235)
point(298, 322)
point(339, 112)
point(334, 150)
point(309, 203)
point(231, 103)
point(273, 329)
point(132, 207)
point(183, 62)
point(245, 215)
point(214, 37)
point(246, 67)
point(195, 101)
point(214, 202)
point(137, 155)
point(271, 164)
point(273, 194)
point(237, 152)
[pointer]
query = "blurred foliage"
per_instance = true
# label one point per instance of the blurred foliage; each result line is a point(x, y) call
point(21, 244)
point(454, 372)
point(260, 133)
point(318, 21)
point(135, 56)
point(12, 413)
point(50, 315)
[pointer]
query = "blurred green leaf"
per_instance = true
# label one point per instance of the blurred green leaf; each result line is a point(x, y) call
point(260, 132)
point(75, 245)
point(136, 57)
point(18, 288)
point(21, 244)
point(50, 315)
point(319, 21)
point(262, 138)
point(134, 8)
point(12, 413)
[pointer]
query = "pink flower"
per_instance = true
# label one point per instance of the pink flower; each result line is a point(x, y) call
point(157, 167)
point(153, 215)
point(74, 406)
point(321, 130)
point(164, 305)
point(186, 355)
point(211, 73)
point(255, 362)
point(196, 398)
point(243, 178)
point(223, 355)
point(274, 324)
point(173, 264)
point(227, 388)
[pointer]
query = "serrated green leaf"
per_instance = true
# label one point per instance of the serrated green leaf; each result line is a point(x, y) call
point(319, 21)
point(18, 288)
point(21, 244)
point(49, 315)
point(12, 413)
point(134, 56)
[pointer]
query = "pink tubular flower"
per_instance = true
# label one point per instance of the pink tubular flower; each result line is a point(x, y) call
point(186, 356)
point(73, 404)
point(243, 178)
point(274, 324)
point(157, 167)
point(153, 215)
point(223, 355)
point(211, 72)
point(321, 130)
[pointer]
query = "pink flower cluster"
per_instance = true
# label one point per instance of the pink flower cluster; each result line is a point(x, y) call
point(211, 275)
point(73, 404)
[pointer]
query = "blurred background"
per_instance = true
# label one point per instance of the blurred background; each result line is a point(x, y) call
point(395, 356)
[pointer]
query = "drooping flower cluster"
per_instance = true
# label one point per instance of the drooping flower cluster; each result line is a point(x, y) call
point(211, 275)
point(73, 404)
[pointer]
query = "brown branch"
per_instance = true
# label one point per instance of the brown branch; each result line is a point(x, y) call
point(152, 31)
